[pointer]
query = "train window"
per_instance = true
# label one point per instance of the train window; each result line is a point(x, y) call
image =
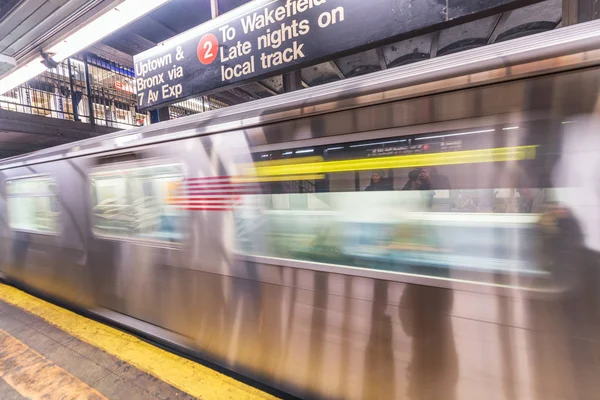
point(133, 201)
point(451, 204)
point(33, 204)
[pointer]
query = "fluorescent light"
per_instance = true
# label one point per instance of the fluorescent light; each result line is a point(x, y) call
point(456, 134)
point(334, 148)
point(287, 153)
point(7, 60)
point(376, 143)
point(305, 151)
point(21, 75)
point(567, 122)
point(264, 156)
point(510, 128)
point(109, 22)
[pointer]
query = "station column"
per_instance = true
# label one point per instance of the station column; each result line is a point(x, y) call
point(577, 11)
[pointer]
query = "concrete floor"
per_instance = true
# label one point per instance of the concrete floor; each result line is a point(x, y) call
point(47, 352)
point(31, 346)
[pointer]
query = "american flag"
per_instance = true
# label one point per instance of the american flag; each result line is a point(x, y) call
point(216, 193)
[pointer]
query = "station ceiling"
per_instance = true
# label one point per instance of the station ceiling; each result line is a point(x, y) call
point(178, 16)
point(26, 24)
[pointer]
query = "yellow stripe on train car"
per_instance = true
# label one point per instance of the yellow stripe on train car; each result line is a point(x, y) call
point(258, 179)
point(502, 154)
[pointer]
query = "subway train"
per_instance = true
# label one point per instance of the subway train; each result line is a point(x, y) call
point(429, 231)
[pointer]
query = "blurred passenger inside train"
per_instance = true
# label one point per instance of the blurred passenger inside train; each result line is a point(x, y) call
point(526, 198)
point(524, 202)
point(413, 177)
point(426, 179)
point(418, 179)
point(379, 182)
point(438, 182)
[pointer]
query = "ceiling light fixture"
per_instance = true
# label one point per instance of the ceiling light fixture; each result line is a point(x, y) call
point(108, 23)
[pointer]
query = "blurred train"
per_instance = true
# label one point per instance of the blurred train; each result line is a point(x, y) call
point(424, 232)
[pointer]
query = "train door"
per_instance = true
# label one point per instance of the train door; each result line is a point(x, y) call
point(137, 231)
point(35, 239)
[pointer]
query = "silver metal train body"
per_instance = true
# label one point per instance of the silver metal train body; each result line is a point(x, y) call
point(250, 235)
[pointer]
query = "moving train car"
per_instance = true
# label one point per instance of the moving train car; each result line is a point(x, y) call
point(426, 232)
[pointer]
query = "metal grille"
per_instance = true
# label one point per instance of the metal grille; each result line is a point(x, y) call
point(49, 94)
point(194, 106)
point(92, 90)
point(76, 87)
point(113, 94)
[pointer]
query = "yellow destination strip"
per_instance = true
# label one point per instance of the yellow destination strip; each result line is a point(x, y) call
point(188, 376)
point(35, 377)
point(407, 161)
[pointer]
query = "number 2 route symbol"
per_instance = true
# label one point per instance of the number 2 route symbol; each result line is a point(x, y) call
point(208, 48)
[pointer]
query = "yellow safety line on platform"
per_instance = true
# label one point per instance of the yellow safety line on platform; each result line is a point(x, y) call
point(36, 377)
point(188, 376)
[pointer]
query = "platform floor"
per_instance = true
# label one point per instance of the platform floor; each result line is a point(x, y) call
point(47, 352)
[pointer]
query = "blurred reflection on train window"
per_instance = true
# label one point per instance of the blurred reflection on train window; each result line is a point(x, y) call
point(464, 205)
point(134, 201)
point(33, 204)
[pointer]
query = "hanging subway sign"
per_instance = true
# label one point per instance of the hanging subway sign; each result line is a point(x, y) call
point(267, 36)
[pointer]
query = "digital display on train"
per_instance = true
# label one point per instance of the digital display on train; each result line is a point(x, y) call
point(399, 147)
point(415, 148)
point(407, 153)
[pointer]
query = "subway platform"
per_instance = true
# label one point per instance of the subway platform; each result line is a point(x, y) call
point(47, 352)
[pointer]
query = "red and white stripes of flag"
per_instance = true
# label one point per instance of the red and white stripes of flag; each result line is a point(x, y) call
point(217, 193)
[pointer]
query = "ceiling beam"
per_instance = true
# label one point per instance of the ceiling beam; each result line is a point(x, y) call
point(273, 84)
point(30, 22)
point(381, 57)
point(129, 42)
point(112, 54)
point(266, 88)
point(435, 44)
point(148, 20)
point(499, 27)
point(244, 93)
point(65, 20)
point(336, 69)
point(152, 29)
